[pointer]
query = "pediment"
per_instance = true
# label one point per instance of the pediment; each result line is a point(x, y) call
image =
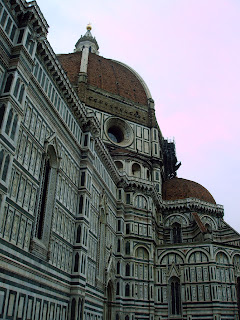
point(174, 271)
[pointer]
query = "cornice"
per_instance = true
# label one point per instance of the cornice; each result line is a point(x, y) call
point(54, 67)
point(146, 187)
point(92, 124)
point(29, 13)
point(193, 204)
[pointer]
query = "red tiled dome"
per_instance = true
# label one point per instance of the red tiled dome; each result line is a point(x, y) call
point(178, 188)
point(106, 74)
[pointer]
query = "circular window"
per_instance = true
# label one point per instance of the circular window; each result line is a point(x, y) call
point(115, 134)
point(119, 132)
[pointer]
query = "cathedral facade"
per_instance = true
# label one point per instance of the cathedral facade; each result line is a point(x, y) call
point(94, 223)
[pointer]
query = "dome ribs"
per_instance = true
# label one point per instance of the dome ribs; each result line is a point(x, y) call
point(115, 78)
point(95, 77)
point(105, 74)
point(71, 65)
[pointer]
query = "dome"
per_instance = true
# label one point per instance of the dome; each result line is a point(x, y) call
point(107, 85)
point(178, 188)
point(108, 75)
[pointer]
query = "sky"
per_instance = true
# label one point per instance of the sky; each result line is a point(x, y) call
point(188, 53)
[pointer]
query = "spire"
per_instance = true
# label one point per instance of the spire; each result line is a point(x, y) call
point(87, 41)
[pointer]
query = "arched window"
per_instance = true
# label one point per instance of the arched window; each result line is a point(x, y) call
point(175, 302)
point(81, 204)
point(78, 234)
point(8, 83)
point(238, 295)
point(5, 168)
point(127, 273)
point(9, 121)
point(117, 290)
point(136, 170)
point(73, 309)
point(118, 267)
point(47, 194)
point(148, 175)
point(2, 112)
point(141, 202)
point(127, 247)
point(46, 175)
point(14, 127)
point(119, 225)
point(17, 85)
point(83, 178)
point(142, 267)
point(118, 245)
point(208, 227)
point(21, 93)
point(176, 233)
point(1, 159)
point(119, 165)
point(127, 318)
point(127, 290)
point(81, 312)
point(117, 316)
point(76, 262)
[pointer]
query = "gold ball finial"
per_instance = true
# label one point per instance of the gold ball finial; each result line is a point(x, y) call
point(89, 27)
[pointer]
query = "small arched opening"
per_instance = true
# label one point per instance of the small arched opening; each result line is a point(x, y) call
point(8, 83)
point(2, 113)
point(16, 89)
point(21, 93)
point(208, 228)
point(118, 267)
point(76, 262)
point(127, 273)
point(9, 121)
point(78, 238)
point(127, 247)
point(118, 289)
point(119, 165)
point(14, 127)
point(136, 170)
point(127, 290)
point(148, 175)
point(5, 168)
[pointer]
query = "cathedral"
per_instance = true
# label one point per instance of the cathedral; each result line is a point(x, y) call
point(94, 222)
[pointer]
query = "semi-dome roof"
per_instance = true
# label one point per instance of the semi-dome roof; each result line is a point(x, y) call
point(108, 75)
point(178, 188)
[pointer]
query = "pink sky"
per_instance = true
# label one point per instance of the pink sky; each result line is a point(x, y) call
point(188, 53)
